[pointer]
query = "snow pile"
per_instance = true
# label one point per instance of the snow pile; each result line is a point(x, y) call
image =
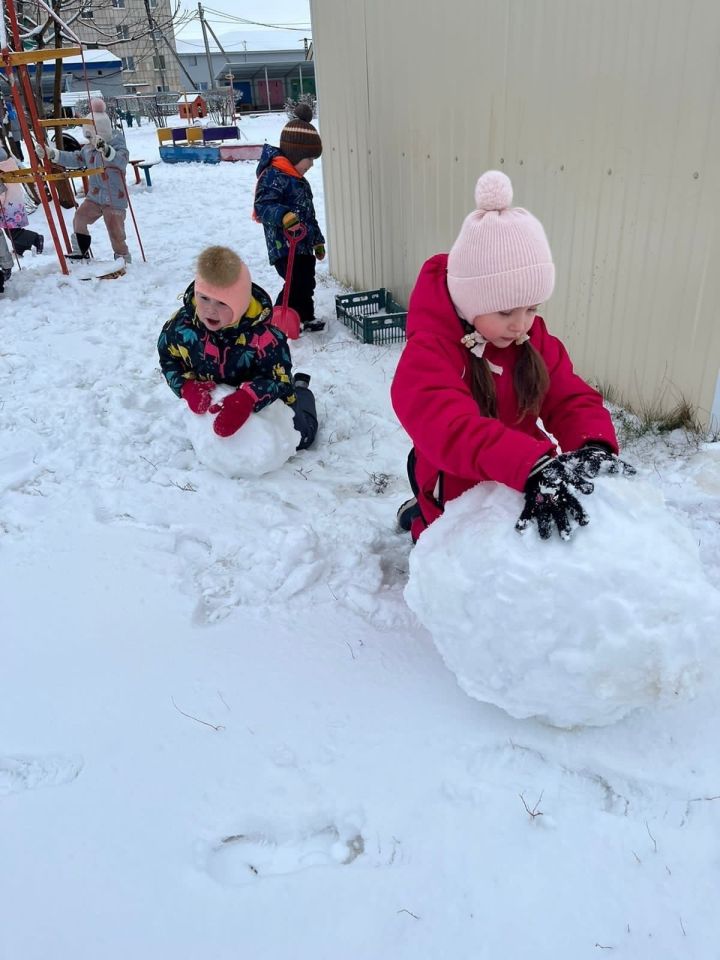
point(263, 444)
point(704, 468)
point(572, 632)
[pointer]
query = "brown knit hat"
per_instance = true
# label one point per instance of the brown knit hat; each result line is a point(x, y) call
point(299, 139)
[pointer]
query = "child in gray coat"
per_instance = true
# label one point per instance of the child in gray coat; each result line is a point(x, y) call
point(107, 193)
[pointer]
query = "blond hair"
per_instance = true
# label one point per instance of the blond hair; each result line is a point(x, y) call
point(219, 266)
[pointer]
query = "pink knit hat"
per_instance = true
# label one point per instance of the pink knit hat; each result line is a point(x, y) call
point(98, 120)
point(236, 295)
point(501, 259)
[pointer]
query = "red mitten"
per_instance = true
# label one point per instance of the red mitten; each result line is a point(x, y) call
point(198, 394)
point(232, 412)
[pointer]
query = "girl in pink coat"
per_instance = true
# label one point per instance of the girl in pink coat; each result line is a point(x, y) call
point(480, 370)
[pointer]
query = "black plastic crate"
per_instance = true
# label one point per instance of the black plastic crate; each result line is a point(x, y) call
point(373, 316)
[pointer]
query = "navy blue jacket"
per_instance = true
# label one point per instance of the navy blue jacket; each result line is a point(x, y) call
point(277, 194)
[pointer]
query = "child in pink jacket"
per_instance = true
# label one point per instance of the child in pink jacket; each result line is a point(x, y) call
point(480, 369)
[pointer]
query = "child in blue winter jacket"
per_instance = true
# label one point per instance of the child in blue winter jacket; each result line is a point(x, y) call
point(283, 201)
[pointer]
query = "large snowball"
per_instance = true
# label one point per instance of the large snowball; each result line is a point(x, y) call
point(572, 632)
point(263, 444)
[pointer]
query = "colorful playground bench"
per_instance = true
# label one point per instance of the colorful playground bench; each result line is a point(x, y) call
point(204, 145)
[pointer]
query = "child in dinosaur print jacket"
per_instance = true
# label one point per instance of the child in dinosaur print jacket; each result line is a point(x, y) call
point(223, 334)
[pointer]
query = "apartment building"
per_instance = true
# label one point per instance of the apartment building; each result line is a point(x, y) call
point(133, 30)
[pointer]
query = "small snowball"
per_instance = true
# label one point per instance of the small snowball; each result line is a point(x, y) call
point(493, 191)
point(571, 632)
point(263, 444)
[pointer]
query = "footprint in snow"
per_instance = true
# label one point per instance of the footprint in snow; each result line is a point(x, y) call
point(30, 773)
point(246, 857)
point(523, 769)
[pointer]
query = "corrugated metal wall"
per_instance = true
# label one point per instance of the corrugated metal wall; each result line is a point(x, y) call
point(606, 116)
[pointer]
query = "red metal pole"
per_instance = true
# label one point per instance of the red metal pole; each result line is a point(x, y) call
point(39, 181)
point(32, 109)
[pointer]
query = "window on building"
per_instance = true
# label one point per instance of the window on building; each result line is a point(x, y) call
point(86, 14)
point(128, 63)
point(118, 3)
point(123, 33)
point(159, 62)
point(153, 4)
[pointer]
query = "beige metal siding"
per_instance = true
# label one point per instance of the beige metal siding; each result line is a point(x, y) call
point(605, 114)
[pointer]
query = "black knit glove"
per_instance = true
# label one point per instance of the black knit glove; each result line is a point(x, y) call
point(548, 500)
point(595, 459)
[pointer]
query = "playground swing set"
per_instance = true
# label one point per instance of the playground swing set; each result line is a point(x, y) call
point(14, 62)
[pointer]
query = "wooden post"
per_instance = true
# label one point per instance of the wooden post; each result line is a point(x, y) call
point(230, 76)
point(267, 90)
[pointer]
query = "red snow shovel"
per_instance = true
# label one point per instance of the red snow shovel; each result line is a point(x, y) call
point(284, 317)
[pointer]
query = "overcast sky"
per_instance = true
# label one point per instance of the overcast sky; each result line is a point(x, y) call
point(227, 16)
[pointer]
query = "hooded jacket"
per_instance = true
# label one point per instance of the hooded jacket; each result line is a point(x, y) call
point(456, 446)
point(276, 194)
point(107, 188)
point(250, 351)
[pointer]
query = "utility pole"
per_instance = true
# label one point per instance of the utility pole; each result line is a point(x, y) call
point(220, 46)
point(153, 37)
point(201, 14)
point(179, 62)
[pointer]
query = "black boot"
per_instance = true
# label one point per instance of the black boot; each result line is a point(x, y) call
point(83, 243)
point(407, 512)
point(22, 240)
point(313, 326)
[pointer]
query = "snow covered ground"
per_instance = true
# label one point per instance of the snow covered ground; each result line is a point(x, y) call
point(222, 732)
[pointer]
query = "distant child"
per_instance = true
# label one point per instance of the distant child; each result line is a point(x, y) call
point(13, 216)
point(15, 130)
point(479, 369)
point(283, 201)
point(6, 262)
point(222, 334)
point(107, 195)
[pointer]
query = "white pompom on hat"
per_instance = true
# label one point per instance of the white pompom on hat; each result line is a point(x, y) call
point(501, 259)
point(98, 120)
